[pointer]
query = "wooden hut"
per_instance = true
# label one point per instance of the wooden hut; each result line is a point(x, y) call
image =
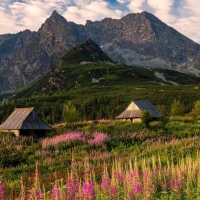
point(134, 110)
point(25, 122)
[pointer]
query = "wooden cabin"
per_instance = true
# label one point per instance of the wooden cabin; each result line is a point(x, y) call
point(134, 110)
point(25, 122)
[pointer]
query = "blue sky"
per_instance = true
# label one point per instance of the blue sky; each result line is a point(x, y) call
point(18, 15)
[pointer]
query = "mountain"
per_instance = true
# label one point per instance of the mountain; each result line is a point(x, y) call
point(143, 40)
point(27, 55)
point(137, 39)
point(86, 66)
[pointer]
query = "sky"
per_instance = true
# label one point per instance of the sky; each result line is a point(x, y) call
point(18, 15)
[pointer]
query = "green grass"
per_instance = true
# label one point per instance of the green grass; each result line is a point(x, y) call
point(128, 142)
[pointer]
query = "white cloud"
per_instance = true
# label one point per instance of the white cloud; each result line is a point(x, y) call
point(122, 1)
point(188, 23)
point(96, 10)
point(136, 6)
point(17, 16)
point(163, 10)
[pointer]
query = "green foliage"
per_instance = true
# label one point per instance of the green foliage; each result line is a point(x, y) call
point(107, 103)
point(71, 114)
point(146, 117)
point(163, 121)
point(164, 116)
point(196, 109)
point(177, 108)
point(110, 76)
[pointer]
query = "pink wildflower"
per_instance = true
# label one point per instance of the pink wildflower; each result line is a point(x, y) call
point(2, 193)
point(176, 185)
point(55, 193)
point(72, 189)
point(118, 175)
point(35, 194)
point(113, 192)
point(88, 191)
point(105, 184)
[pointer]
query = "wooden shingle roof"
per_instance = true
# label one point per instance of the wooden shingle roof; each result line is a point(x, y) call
point(137, 110)
point(24, 118)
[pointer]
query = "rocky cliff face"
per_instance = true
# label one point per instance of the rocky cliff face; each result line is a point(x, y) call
point(28, 55)
point(142, 39)
point(137, 39)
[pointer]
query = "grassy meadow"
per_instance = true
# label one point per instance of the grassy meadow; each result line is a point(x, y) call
point(104, 159)
point(99, 157)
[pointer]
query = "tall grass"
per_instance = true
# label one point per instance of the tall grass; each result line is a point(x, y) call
point(119, 180)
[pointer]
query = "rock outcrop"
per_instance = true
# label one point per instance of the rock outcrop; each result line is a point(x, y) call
point(142, 39)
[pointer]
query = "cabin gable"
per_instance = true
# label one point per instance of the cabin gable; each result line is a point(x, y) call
point(134, 110)
point(25, 122)
point(132, 106)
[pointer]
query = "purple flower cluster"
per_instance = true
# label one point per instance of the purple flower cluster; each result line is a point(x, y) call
point(176, 185)
point(113, 192)
point(35, 194)
point(93, 138)
point(2, 193)
point(105, 184)
point(72, 189)
point(88, 191)
point(56, 193)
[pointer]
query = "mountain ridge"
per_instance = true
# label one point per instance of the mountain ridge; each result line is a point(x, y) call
point(139, 39)
point(87, 66)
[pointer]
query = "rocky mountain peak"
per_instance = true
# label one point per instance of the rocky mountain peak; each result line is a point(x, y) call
point(89, 42)
point(55, 13)
point(56, 17)
point(57, 36)
point(139, 39)
point(54, 21)
point(89, 51)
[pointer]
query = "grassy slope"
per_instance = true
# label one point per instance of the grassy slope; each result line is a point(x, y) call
point(118, 85)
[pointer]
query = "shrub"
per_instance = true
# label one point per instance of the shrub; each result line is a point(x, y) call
point(146, 117)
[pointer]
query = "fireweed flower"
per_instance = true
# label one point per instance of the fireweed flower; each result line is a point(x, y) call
point(38, 194)
point(113, 192)
point(118, 175)
point(2, 193)
point(35, 194)
point(56, 194)
point(105, 185)
point(72, 188)
point(88, 191)
point(137, 188)
point(176, 185)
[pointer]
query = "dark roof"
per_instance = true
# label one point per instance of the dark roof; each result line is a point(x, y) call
point(18, 120)
point(135, 113)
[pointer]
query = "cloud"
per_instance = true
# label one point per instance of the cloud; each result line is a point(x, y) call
point(122, 1)
point(188, 22)
point(163, 10)
point(136, 6)
point(183, 15)
point(96, 10)
point(30, 14)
